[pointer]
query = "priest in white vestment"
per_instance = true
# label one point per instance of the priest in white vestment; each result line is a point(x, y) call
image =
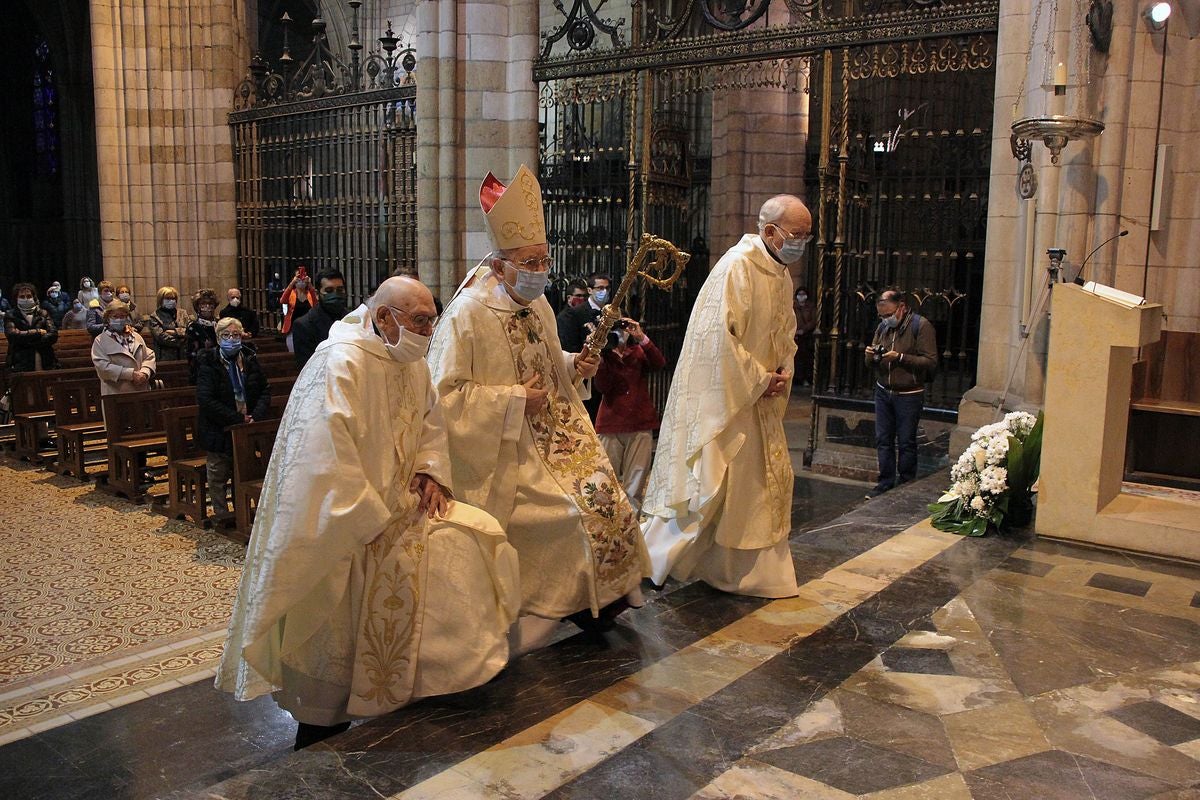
point(718, 503)
point(366, 585)
point(521, 443)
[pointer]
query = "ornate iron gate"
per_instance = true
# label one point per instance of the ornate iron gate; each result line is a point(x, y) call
point(325, 167)
point(914, 215)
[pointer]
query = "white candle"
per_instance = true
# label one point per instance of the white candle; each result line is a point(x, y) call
point(1060, 75)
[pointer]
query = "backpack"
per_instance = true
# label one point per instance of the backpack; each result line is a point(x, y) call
point(917, 319)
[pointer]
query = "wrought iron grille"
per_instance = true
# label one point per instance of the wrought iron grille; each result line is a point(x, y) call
point(915, 148)
point(325, 166)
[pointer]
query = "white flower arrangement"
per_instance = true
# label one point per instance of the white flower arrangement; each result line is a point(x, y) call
point(992, 477)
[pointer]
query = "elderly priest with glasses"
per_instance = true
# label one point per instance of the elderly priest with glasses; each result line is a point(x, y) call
point(719, 499)
point(521, 444)
point(366, 585)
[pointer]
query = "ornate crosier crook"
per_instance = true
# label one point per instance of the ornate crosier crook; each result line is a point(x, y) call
point(651, 246)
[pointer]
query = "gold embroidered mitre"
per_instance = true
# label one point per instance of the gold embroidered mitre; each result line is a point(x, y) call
point(513, 212)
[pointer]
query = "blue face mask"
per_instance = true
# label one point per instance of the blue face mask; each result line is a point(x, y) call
point(230, 349)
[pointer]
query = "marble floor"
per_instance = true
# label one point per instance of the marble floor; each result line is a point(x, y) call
point(913, 664)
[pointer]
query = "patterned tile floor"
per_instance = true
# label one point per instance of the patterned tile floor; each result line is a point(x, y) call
point(102, 602)
point(914, 664)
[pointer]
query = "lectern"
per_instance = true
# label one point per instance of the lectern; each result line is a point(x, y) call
point(1093, 342)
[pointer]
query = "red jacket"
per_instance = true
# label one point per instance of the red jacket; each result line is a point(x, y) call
point(626, 405)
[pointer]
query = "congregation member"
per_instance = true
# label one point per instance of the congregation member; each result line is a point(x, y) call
point(30, 332)
point(122, 359)
point(231, 389)
point(234, 309)
point(76, 318)
point(366, 585)
point(521, 443)
point(902, 355)
point(297, 299)
point(575, 323)
point(125, 295)
point(95, 318)
point(720, 494)
point(201, 331)
point(806, 323)
point(56, 303)
point(627, 420)
point(577, 295)
point(87, 292)
point(314, 327)
point(5, 306)
point(168, 326)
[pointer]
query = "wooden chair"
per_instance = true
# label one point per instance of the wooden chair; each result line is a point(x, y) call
point(252, 444)
point(135, 432)
point(78, 425)
point(187, 471)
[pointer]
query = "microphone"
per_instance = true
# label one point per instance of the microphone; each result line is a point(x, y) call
point(1079, 277)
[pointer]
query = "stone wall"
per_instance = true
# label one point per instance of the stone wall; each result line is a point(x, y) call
point(165, 72)
point(1100, 188)
point(477, 112)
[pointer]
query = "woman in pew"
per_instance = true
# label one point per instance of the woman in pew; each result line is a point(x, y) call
point(202, 333)
point(168, 326)
point(30, 331)
point(231, 388)
point(123, 361)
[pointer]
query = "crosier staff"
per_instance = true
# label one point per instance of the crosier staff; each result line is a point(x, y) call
point(650, 246)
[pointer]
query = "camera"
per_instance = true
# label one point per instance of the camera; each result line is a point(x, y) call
point(620, 325)
point(878, 350)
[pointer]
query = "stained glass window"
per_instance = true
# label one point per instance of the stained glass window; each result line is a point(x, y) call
point(45, 111)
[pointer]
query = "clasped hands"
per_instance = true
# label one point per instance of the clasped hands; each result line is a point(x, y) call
point(778, 383)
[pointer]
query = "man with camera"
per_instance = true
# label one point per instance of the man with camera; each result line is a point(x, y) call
point(903, 354)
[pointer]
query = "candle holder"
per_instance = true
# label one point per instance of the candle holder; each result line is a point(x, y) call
point(1056, 130)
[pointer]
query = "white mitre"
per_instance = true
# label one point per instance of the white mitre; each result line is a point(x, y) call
point(513, 213)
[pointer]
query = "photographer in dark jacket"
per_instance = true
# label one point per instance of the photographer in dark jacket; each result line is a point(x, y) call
point(230, 389)
point(903, 355)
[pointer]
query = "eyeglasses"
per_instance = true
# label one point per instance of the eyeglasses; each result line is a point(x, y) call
point(536, 264)
point(806, 238)
point(230, 337)
point(418, 320)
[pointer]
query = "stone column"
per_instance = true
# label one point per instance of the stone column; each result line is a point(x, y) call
point(1101, 187)
point(758, 143)
point(165, 72)
point(476, 111)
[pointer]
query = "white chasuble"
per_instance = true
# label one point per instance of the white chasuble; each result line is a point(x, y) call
point(719, 498)
point(352, 602)
point(546, 478)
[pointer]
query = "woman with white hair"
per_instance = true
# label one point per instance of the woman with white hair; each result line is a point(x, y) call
point(230, 389)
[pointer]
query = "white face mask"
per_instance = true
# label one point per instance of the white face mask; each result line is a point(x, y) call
point(235, 302)
point(169, 305)
point(528, 286)
point(411, 346)
point(123, 297)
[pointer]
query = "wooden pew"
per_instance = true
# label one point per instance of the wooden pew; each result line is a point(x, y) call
point(187, 470)
point(33, 407)
point(134, 423)
point(252, 444)
point(33, 403)
point(78, 425)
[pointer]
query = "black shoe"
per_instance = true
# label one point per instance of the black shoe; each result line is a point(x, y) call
point(878, 490)
point(307, 735)
point(603, 623)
